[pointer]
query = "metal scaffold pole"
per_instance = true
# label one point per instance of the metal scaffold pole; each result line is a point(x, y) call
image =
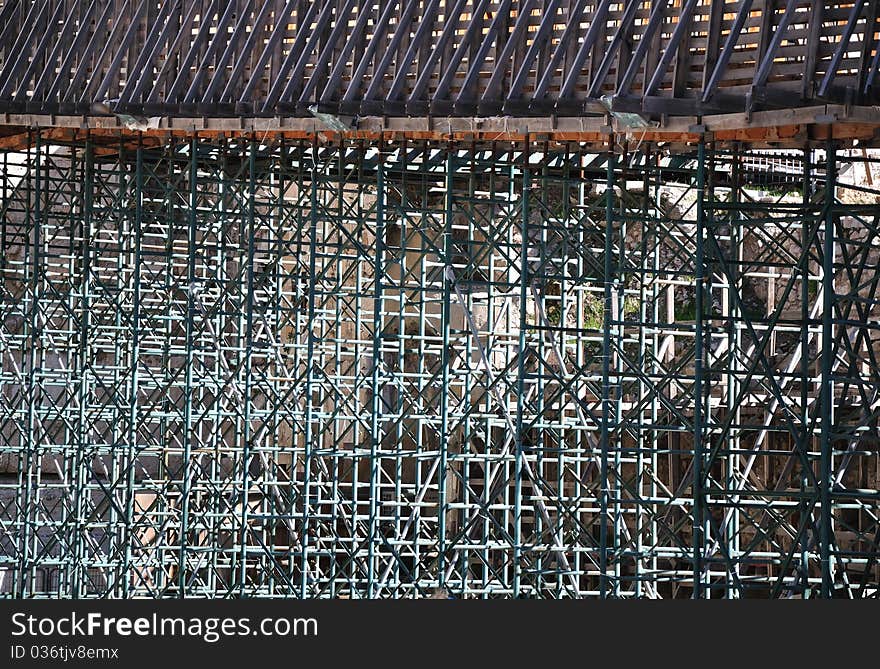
point(249, 365)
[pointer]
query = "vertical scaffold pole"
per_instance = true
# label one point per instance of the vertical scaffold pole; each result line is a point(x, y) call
point(376, 418)
point(698, 492)
point(80, 571)
point(826, 393)
point(805, 437)
point(606, 363)
point(131, 455)
point(308, 446)
point(190, 355)
point(521, 371)
point(445, 373)
point(248, 362)
point(33, 213)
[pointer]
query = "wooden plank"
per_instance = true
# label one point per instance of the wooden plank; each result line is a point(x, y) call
point(713, 40)
point(842, 45)
point(765, 64)
point(714, 77)
point(867, 43)
point(641, 54)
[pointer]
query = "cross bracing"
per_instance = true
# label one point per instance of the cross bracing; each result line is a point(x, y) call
point(284, 368)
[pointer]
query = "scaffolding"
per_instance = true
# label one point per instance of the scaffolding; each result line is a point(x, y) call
point(242, 366)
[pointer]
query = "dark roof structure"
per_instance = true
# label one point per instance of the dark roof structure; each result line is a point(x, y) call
point(435, 58)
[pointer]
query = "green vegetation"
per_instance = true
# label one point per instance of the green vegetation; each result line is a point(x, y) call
point(631, 305)
point(782, 191)
point(686, 311)
point(552, 303)
point(594, 312)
